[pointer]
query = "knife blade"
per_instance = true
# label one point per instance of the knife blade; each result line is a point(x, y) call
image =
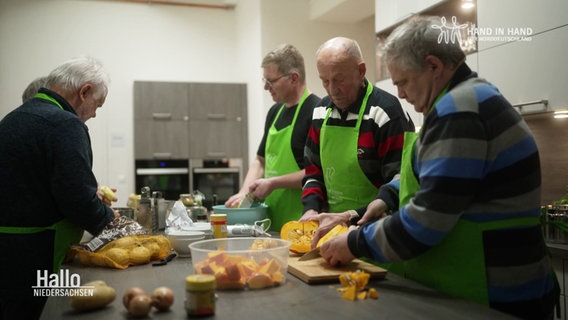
point(310, 255)
point(247, 201)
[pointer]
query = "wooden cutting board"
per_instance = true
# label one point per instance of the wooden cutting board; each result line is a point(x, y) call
point(319, 271)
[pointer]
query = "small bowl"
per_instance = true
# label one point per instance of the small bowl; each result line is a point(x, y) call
point(204, 227)
point(181, 239)
point(242, 263)
point(243, 215)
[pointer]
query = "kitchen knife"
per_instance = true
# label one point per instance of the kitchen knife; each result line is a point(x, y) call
point(247, 201)
point(310, 255)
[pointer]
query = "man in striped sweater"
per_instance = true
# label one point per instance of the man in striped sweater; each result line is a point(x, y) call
point(467, 206)
point(355, 140)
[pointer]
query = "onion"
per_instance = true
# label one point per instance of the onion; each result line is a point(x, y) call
point(162, 298)
point(140, 306)
point(131, 293)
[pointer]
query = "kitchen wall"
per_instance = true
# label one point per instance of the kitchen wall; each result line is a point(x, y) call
point(527, 70)
point(158, 43)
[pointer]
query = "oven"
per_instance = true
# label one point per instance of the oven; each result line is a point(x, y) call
point(171, 177)
point(217, 179)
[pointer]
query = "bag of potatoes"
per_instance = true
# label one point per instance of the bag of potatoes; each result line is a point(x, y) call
point(124, 252)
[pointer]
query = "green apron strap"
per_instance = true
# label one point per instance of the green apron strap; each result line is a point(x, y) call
point(65, 235)
point(283, 204)
point(408, 181)
point(48, 98)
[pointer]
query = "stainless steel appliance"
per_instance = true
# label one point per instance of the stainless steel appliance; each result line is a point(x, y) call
point(219, 177)
point(171, 177)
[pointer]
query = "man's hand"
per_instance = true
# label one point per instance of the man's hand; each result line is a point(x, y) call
point(376, 210)
point(327, 221)
point(107, 195)
point(336, 251)
point(308, 215)
point(262, 188)
point(235, 200)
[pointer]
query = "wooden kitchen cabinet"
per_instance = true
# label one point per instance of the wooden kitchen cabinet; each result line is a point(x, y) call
point(217, 120)
point(161, 139)
point(216, 139)
point(182, 120)
point(161, 118)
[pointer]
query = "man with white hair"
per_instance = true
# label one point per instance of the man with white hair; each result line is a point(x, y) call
point(47, 187)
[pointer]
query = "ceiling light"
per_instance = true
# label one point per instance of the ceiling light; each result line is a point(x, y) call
point(467, 4)
point(561, 114)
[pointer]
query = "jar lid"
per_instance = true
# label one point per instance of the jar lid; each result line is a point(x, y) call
point(218, 217)
point(200, 282)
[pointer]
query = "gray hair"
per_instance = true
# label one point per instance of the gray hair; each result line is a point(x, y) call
point(410, 43)
point(73, 74)
point(33, 87)
point(287, 59)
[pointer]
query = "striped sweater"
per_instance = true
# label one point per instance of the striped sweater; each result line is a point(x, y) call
point(379, 149)
point(475, 160)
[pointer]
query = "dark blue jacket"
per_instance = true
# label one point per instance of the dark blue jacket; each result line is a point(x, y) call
point(45, 176)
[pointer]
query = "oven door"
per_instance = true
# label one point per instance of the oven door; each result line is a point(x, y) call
point(221, 183)
point(171, 177)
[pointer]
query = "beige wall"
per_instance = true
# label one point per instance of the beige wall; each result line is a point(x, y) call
point(160, 43)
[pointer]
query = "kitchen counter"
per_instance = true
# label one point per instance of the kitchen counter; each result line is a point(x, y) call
point(399, 298)
point(558, 249)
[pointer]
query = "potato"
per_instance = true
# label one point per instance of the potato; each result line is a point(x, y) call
point(127, 242)
point(140, 255)
point(102, 295)
point(118, 255)
point(107, 193)
point(154, 248)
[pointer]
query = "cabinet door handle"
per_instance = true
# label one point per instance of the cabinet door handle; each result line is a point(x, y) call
point(162, 155)
point(162, 116)
point(216, 116)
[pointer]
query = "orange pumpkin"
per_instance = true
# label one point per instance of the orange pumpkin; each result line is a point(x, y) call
point(300, 234)
point(337, 230)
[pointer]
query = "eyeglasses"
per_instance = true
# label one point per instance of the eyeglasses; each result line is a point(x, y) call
point(271, 82)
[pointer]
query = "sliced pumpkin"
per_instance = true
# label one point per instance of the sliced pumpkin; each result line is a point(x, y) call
point(300, 234)
point(337, 230)
point(350, 293)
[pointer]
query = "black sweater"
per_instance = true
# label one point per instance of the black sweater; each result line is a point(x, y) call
point(46, 168)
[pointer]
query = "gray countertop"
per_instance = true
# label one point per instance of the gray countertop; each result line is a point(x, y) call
point(558, 249)
point(398, 298)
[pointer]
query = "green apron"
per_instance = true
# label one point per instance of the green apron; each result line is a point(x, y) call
point(65, 232)
point(65, 235)
point(457, 264)
point(347, 185)
point(284, 204)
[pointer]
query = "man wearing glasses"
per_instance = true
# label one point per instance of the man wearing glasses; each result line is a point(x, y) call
point(276, 173)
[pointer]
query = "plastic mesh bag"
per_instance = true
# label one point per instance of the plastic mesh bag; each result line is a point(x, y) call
point(124, 252)
point(122, 243)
